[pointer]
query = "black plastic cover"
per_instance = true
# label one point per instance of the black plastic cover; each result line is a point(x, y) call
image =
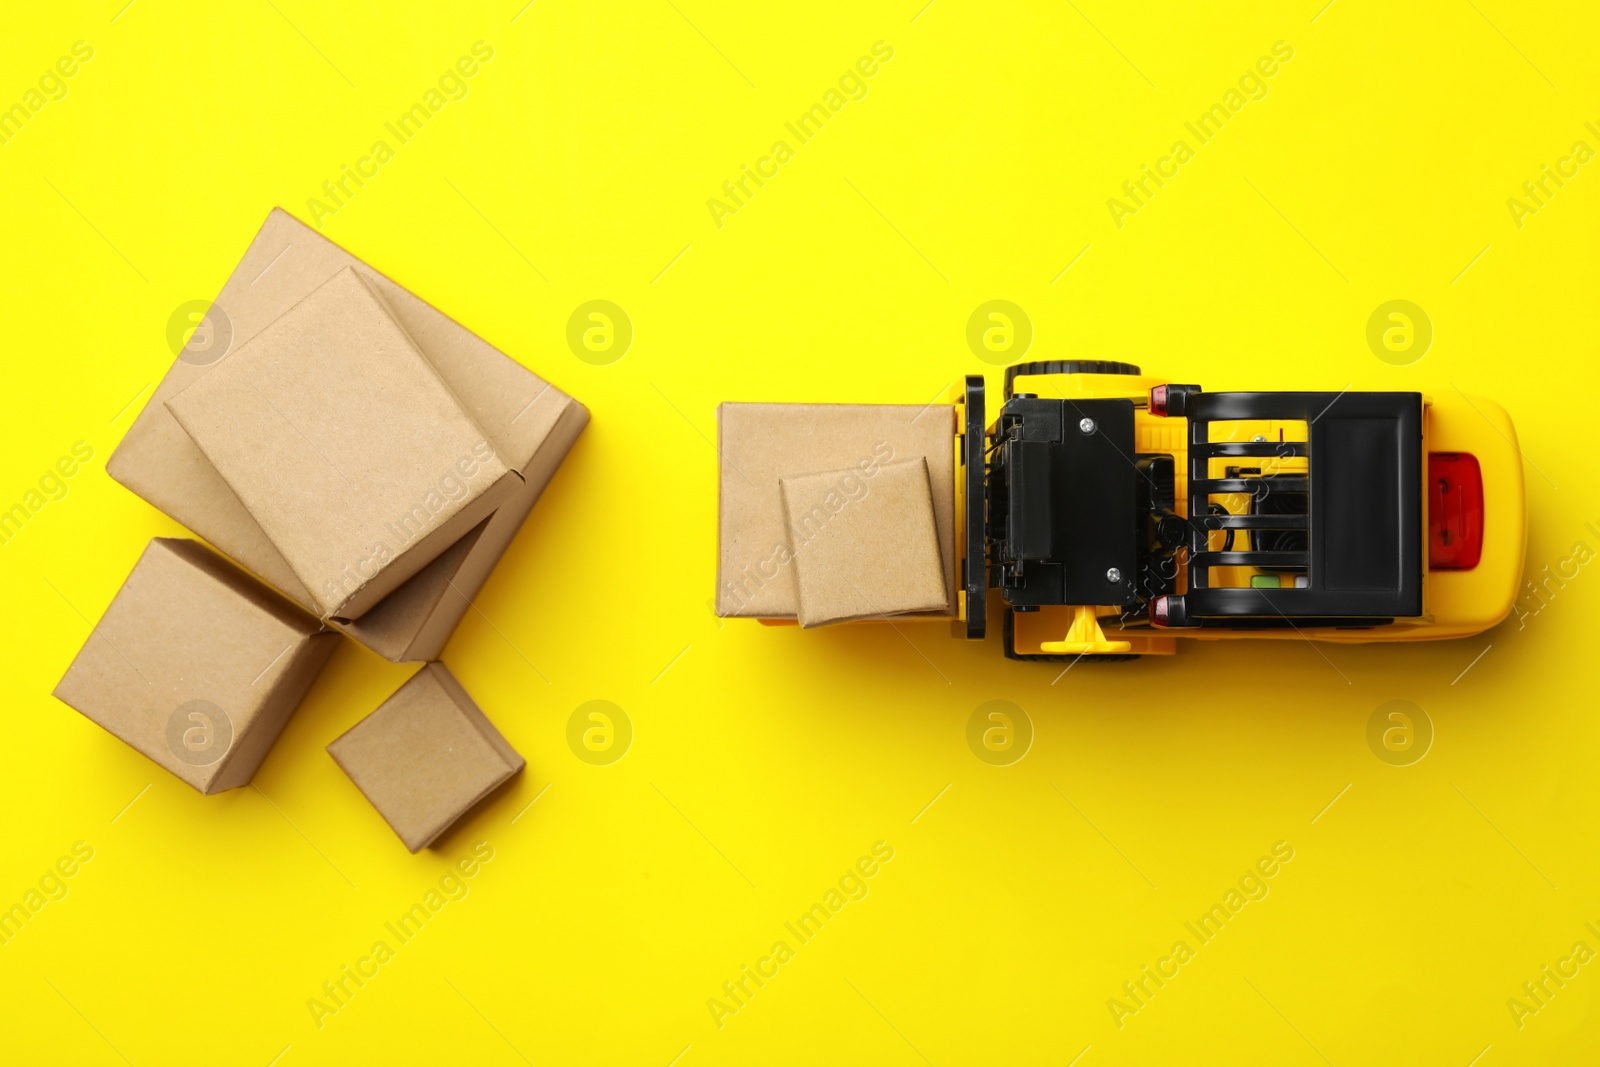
point(1072, 518)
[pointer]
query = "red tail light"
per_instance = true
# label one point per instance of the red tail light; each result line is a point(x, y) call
point(1159, 611)
point(1158, 400)
point(1455, 511)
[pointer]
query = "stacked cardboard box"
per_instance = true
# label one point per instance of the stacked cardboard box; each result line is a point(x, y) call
point(367, 458)
point(530, 424)
point(834, 512)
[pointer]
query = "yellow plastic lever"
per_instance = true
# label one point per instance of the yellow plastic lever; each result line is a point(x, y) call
point(1084, 637)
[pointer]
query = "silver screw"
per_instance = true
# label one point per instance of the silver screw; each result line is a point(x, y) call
point(1086, 425)
point(1113, 575)
point(1259, 437)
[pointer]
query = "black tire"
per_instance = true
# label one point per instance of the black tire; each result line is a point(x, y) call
point(1068, 366)
point(1008, 638)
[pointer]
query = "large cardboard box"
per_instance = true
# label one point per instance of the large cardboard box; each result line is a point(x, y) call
point(531, 424)
point(426, 756)
point(197, 665)
point(761, 444)
point(345, 446)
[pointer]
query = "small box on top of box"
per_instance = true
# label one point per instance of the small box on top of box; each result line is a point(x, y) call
point(345, 446)
point(828, 512)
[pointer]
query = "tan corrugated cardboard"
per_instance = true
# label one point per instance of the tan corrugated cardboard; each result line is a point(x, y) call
point(439, 595)
point(426, 756)
point(531, 424)
point(345, 446)
point(196, 665)
point(864, 547)
point(763, 443)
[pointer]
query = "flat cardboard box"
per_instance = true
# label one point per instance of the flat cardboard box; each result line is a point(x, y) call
point(426, 756)
point(344, 445)
point(531, 424)
point(763, 443)
point(197, 665)
point(864, 548)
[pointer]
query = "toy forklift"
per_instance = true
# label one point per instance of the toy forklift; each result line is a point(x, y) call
point(1113, 513)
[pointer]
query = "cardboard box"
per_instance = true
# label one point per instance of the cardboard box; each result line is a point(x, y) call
point(760, 444)
point(426, 756)
point(197, 665)
point(864, 547)
point(531, 424)
point(345, 447)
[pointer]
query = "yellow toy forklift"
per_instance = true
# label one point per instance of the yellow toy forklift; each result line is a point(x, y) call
point(1114, 513)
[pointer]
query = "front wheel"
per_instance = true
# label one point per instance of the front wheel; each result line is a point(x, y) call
point(1066, 366)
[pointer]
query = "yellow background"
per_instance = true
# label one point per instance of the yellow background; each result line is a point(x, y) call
point(765, 760)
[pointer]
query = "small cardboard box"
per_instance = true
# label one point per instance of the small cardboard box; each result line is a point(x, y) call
point(345, 447)
point(426, 756)
point(531, 424)
point(864, 548)
point(197, 665)
point(761, 444)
